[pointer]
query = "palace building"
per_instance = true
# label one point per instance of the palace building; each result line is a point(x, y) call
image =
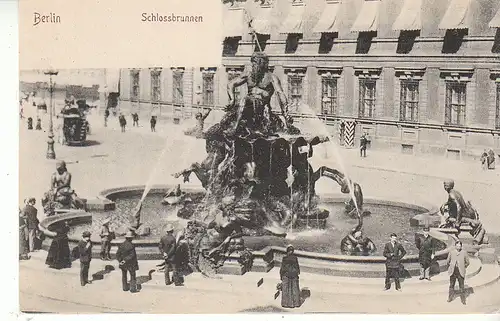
point(420, 76)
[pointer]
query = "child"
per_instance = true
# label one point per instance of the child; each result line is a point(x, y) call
point(85, 251)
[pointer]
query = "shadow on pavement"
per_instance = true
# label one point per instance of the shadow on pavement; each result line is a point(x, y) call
point(141, 279)
point(265, 309)
point(100, 274)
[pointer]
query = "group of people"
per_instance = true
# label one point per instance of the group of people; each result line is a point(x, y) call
point(135, 121)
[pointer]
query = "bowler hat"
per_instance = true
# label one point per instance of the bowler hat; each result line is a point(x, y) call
point(86, 234)
point(169, 228)
point(106, 221)
point(129, 235)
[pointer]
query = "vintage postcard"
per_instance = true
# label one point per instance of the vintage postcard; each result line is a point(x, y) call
point(272, 156)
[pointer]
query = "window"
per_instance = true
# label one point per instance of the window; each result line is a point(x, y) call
point(134, 90)
point(328, 95)
point(232, 74)
point(497, 122)
point(178, 86)
point(208, 88)
point(455, 103)
point(294, 91)
point(409, 101)
point(367, 95)
point(155, 85)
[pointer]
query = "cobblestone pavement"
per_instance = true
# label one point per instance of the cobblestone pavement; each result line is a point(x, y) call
point(114, 159)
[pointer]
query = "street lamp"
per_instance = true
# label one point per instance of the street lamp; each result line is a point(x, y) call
point(51, 154)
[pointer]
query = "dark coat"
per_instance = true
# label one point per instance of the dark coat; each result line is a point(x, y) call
point(426, 247)
point(168, 245)
point(394, 254)
point(85, 251)
point(31, 217)
point(181, 254)
point(126, 252)
point(290, 267)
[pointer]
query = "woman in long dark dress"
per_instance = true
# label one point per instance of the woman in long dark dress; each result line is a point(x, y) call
point(289, 272)
point(59, 256)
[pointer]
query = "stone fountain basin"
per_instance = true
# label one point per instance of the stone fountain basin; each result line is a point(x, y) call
point(269, 256)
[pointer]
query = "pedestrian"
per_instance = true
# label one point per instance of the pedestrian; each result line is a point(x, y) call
point(491, 159)
point(123, 122)
point(394, 252)
point(38, 124)
point(181, 260)
point(153, 123)
point(106, 237)
point(85, 254)
point(363, 142)
point(127, 258)
point(135, 118)
point(289, 274)
point(167, 248)
point(30, 123)
point(106, 116)
point(426, 251)
point(484, 160)
point(457, 262)
point(59, 256)
point(23, 237)
point(31, 214)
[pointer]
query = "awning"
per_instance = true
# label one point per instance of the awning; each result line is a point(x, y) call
point(410, 16)
point(294, 22)
point(328, 22)
point(234, 22)
point(495, 23)
point(367, 19)
point(456, 16)
point(261, 24)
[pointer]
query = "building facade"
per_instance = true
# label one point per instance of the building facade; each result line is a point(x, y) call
point(420, 76)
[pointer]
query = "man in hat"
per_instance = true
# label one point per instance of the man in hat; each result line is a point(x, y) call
point(394, 252)
point(106, 237)
point(85, 253)
point(127, 258)
point(167, 248)
point(426, 250)
point(31, 215)
point(457, 262)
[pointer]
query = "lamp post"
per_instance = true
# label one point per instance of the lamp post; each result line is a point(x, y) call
point(51, 154)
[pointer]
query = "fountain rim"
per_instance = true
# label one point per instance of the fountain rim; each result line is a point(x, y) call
point(106, 195)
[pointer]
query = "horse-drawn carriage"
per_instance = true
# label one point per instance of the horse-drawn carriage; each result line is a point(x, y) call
point(75, 126)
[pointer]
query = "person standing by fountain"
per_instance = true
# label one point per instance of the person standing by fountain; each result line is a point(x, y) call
point(59, 256)
point(106, 237)
point(167, 248)
point(394, 252)
point(181, 260)
point(426, 250)
point(289, 273)
point(85, 252)
point(127, 258)
point(31, 214)
point(457, 262)
point(23, 238)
